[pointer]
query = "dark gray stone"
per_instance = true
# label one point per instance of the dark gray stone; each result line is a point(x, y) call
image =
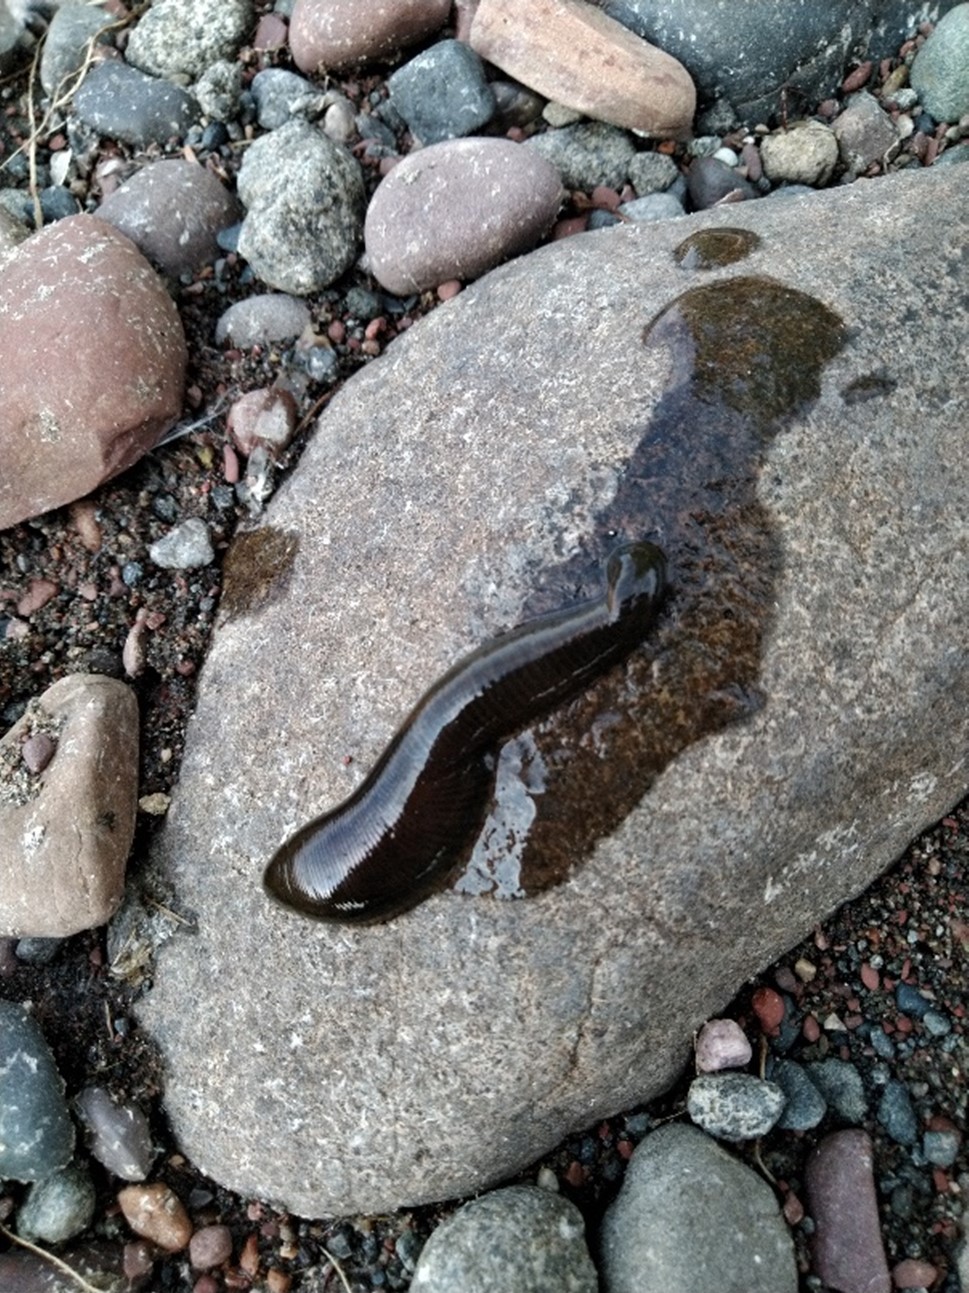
point(117, 1134)
point(805, 1105)
point(443, 92)
point(36, 1132)
point(522, 1239)
point(433, 507)
point(123, 103)
point(758, 54)
point(896, 1113)
point(690, 1218)
point(841, 1085)
point(711, 181)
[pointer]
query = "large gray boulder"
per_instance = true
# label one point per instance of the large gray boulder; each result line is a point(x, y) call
point(790, 426)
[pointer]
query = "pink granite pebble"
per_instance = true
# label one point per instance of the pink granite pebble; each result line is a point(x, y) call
point(848, 1252)
point(721, 1044)
point(456, 209)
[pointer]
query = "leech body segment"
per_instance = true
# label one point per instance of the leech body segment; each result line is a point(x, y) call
point(388, 845)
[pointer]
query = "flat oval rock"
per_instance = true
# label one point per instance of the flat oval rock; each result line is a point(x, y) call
point(457, 209)
point(65, 832)
point(469, 478)
point(93, 359)
point(325, 35)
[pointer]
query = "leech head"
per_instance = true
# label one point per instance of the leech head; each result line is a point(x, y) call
point(635, 573)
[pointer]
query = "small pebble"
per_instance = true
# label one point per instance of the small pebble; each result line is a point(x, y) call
point(842, 1087)
point(38, 750)
point(58, 1207)
point(722, 1044)
point(118, 1133)
point(210, 1246)
point(187, 547)
point(768, 1006)
point(734, 1106)
point(155, 1212)
point(896, 1114)
point(805, 1105)
point(914, 1274)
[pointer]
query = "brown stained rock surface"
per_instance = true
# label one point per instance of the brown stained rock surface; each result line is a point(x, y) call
point(575, 54)
point(93, 359)
point(65, 831)
point(418, 232)
point(848, 1252)
point(799, 714)
point(333, 34)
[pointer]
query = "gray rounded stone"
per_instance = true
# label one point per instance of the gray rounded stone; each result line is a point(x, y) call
point(443, 92)
point(805, 1105)
point(122, 102)
point(65, 45)
point(690, 1218)
point(865, 132)
point(842, 1087)
point(940, 72)
point(521, 1240)
point(58, 1207)
point(587, 154)
point(734, 1106)
point(36, 1132)
point(179, 39)
point(651, 172)
point(304, 197)
point(269, 316)
point(280, 94)
point(897, 1114)
point(654, 206)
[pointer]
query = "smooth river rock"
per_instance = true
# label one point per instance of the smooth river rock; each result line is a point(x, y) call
point(781, 405)
point(66, 827)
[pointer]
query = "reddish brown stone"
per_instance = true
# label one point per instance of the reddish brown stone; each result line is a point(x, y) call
point(93, 361)
point(155, 1212)
point(457, 209)
point(333, 34)
point(573, 53)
